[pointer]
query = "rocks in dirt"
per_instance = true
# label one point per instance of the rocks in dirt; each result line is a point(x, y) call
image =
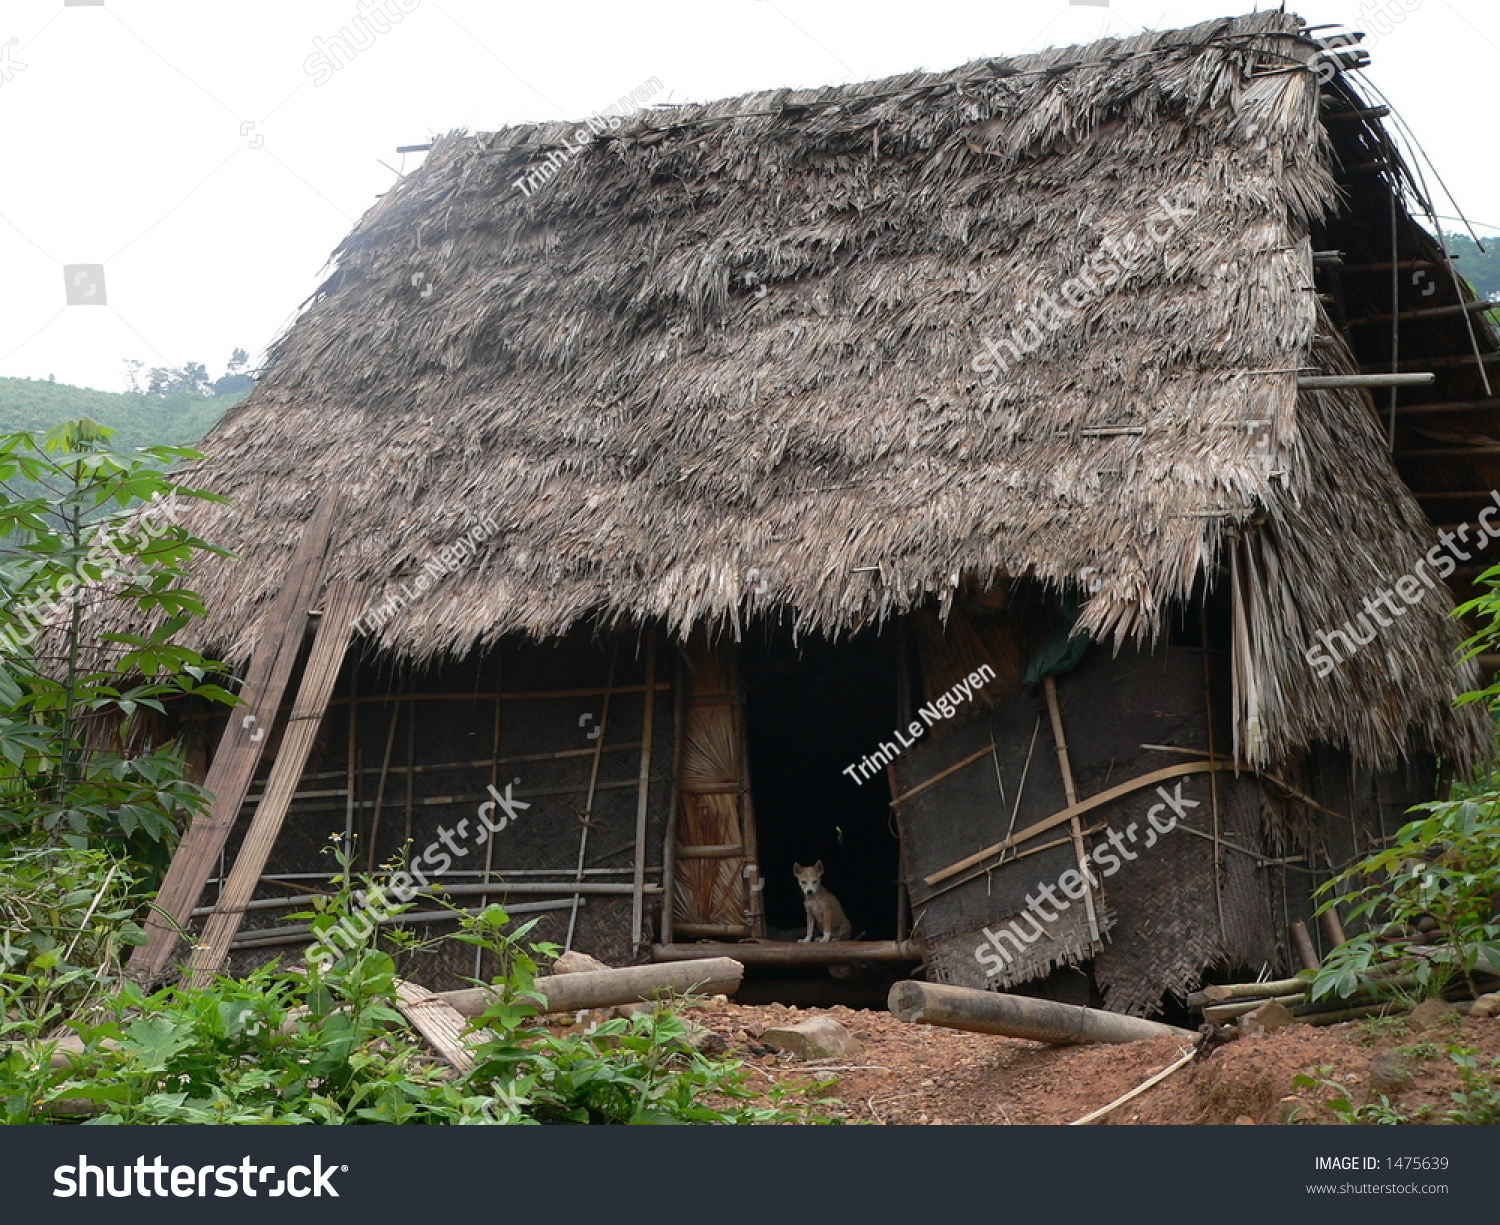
point(1391, 1073)
point(815, 1038)
point(1263, 1020)
point(1486, 1006)
point(1429, 1014)
point(704, 1040)
point(574, 962)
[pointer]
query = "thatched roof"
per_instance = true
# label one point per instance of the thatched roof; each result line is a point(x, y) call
point(724, 362)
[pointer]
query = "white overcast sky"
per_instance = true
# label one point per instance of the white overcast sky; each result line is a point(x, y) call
point(186, 146)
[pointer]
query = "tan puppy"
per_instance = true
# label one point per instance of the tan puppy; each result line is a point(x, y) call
point(823, 908)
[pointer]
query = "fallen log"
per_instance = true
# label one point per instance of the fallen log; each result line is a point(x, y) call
point(1019, 1016)
point(604, 988)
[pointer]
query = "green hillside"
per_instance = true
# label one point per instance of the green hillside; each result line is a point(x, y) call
point(180, 418)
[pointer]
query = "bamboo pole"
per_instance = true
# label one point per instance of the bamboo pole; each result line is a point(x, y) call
point(588, 804)
point(385, 773)
point(329, 649)
point(1066, 814)
point(642, 807)
point(240, 748)
point(302, 933)
point(669, 840)
point(1060, 740)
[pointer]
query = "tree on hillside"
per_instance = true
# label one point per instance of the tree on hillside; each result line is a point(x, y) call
point(1480, 268)
point(192, 378)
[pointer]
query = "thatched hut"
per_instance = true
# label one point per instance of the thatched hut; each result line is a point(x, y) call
point(881, 474)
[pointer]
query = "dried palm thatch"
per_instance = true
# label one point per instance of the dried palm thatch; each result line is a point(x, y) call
point(723, 363)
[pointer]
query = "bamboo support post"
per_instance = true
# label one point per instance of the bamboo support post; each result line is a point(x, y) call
point(1332, 927)
point(643, 797)
point(1303, 944)
point(1060, 740)
point(669, 841)
point(587, 819)
point(385, 773)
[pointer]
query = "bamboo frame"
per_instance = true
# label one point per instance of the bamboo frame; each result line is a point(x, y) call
point(669, 840)
point(642, 808)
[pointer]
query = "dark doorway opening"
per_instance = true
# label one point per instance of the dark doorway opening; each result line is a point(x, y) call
point(811, 709)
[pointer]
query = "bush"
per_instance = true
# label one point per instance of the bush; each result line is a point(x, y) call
point(328, 1047)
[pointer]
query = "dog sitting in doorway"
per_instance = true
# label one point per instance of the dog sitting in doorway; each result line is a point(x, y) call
point(823, 909)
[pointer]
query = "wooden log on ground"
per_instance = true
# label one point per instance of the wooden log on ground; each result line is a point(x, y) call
point(604, 988)
point(777, 953)
point(1019, 1016)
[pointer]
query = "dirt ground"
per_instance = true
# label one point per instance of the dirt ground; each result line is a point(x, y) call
point(922, 1074)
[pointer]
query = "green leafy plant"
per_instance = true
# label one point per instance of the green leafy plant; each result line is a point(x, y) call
point(1442, 872)
point(328, 1045)
point(73, 767)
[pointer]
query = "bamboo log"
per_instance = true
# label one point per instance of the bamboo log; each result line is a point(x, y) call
point(1019, 1016)
point(603, 988)
point(817, 953)
point(1302, 942)
point(1222, 993)
point(1217, 1014)
point(1320, 382)
point(1332, 928)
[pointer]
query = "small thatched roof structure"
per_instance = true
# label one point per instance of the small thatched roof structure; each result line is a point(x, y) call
point(729, 359)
